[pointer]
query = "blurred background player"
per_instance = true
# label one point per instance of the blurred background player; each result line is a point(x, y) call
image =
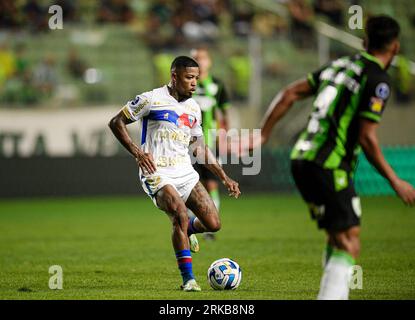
point(350, 97)
point(171, 125)
point(213, 100)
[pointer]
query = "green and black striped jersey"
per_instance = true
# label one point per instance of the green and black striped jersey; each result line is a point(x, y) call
point(210, 95)
point(346, 90)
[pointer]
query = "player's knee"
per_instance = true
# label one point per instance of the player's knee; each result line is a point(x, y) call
point(215, 225)
point(215, 228)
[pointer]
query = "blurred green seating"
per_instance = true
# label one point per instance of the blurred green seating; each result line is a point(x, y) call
point(121, 57)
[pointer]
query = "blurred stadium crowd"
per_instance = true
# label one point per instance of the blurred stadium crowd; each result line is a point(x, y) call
point(190, 18)
point(161, 28)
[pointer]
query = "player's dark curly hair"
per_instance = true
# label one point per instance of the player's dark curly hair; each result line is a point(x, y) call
point(183, 62)
point(380, 32)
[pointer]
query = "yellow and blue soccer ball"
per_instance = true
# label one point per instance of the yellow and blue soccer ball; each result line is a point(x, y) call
point(224, 274)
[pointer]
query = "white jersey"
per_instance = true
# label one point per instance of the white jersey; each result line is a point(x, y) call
point(167, 128)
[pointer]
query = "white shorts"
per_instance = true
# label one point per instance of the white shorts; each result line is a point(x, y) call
point(183, 184)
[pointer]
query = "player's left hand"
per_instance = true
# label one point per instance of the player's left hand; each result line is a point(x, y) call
point(232, 186)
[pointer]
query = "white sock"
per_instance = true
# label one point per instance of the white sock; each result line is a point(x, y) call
point(336, 277)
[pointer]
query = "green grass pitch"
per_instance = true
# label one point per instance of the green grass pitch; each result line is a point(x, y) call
point(120, 248)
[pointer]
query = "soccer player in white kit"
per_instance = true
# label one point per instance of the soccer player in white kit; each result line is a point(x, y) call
point(171, 125)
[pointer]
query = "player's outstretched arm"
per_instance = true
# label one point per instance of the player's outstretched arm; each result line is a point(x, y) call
point(118, 126)
point(204, 156)
point(369, 142)
point(281, 103)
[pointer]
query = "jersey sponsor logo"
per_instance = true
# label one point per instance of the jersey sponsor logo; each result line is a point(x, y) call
point(376, 105)
point(135, 101)
point(382, 90)
point(180, 136)
point(346, 63)
point(340, 78)
point(164, 161)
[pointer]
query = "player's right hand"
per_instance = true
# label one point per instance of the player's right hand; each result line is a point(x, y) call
point(405, 191)
point(146, 162)
point(232, 186)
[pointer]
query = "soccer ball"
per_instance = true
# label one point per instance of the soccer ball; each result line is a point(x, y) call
point(224, 274)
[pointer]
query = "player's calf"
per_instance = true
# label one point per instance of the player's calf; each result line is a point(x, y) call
point(207, 216)
point(208, 225)
point(347, 241)
point(344, 248)
point(213, 224)
point(180, 224)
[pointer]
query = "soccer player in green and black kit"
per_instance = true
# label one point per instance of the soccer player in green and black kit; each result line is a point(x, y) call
point(350, 97)
point(213, 100)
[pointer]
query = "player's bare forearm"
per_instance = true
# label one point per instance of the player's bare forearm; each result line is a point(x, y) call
point(281, 103)
point(369, 142)
point(206, 157)
point(118, 126)
point(370, 145)
point(212, 164)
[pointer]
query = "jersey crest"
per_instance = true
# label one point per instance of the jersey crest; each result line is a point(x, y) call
point(186, 120)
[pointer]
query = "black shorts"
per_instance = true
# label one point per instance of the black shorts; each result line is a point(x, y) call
point(204, 173)
point(329, 194)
